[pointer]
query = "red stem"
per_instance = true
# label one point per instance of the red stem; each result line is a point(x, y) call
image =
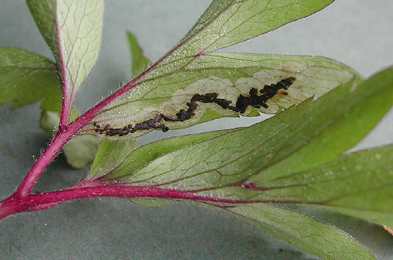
point(43, 162)
point(123, 191)
point(90, 189)
point(65, 133)
point(67, 99)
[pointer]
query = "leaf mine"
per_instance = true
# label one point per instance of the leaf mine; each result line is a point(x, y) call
point(218, 83)
point(256, 98)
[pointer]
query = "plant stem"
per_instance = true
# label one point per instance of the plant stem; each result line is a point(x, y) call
point(90, 189)
point(62, 137)
point(67, 98)
point(65, 116)
point(43, 162)
point(65, 133)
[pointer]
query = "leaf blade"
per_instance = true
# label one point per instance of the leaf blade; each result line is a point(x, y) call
point(233, 166)
point(212, 158)
point(357, 184)
point(139, 62)
point(230, 76)
point(241, 16)
point(146, 153)
point(303, 232)
point(350, 128)
point(74, 39)
point(109, 155)
point(26, 78)
point(229, 22)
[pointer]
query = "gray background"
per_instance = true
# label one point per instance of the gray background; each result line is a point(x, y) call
point(358, 33)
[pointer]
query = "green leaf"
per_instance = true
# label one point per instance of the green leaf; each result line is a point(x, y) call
point(75, 43)
point(235, 164)
point(139, 62)
point(303, 232)
point(234, 155)
point(110, 154)
point(281, 81)
point(228, 22)
point(79, 151)
point(165, 86)
point(74, 39)
point(138, 158)
point(359, 184)
point(345, 132)
point(26, 78)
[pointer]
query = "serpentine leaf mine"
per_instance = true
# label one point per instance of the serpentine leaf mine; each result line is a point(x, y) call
point(253, 98)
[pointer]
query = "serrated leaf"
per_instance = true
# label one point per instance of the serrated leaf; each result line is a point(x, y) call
point(303, 232)
point(26, 78)
point(234, 165)
point(79, 151)
point(73, 31)
point(139, 62)
point(167, 102)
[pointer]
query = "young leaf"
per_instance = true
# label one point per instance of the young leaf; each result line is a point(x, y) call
point(26, 78)
point(222, 166)
point(139, 62)
point(218, 85)
point(74, 39)
point(303, 232)
point(79, 151)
